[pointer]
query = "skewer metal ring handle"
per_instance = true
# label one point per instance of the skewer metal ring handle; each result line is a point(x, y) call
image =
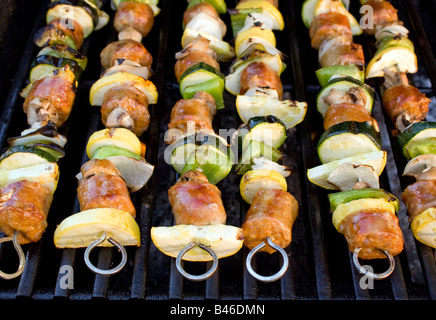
point(199, 277)
point(109, 271)
point(275, 276)
point(378, 276)
point(21, 257)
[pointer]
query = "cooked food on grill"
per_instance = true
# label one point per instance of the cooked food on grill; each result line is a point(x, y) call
point(327, 26)
point(346, 111)
point(259, 75)
point(102, 186)
point(339, 51)
point(51, 98)
point(272, 214)
point(126, 49)
point(200, 217)
point(367, 219)
point(383, 14)
point(133, 20)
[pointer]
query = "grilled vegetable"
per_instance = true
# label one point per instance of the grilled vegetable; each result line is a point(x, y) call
point(268, 12)
point(321, 175)
point(63, 51)
point(340, 87)
point(22, 156)
point(118, 137)
point(422, 167)
point(245, 38)
point(256, 149)
point(224, 240)
point(346, 139)
point(324, 75)
point(83, 228)
point(102, 85)
point(418, 138)
point(400, 58)
point(47, 134)
point(219, 5)
point(423, 227)
point(268, 129)
point(255, 180)
point(203, 77)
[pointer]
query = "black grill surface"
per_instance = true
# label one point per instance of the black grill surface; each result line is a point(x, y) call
point(320, 265)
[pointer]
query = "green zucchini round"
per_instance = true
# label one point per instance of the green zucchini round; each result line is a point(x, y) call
point(346, 139)
point(418, 138)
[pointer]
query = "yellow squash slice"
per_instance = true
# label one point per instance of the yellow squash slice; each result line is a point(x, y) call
point(118, 137)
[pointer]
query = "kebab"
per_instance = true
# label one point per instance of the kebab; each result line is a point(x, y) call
point(58, 66)
point(254, 79)
point(407, 109)
point(350, 148)
point(201, 157)
point(29, 169)
point(116, 163)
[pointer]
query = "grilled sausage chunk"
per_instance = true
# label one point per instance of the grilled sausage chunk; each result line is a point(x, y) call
point(419, 197)
point(24, 207)
point(102, 186)
point(383, 14)
point(197, 51)
point(138, 16)
point(191, 114)
point(328, 26)
point(126, 106)
point(258, 74)
point(340, 51)
point(125, 49)
point(405, 104)
point(195, 201)
point(51, 99)
point(271, 214)
point(342, 112)
point(372, 231)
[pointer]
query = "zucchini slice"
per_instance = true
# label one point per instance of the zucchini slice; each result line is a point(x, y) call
point(289, 112)
point(346, 139)
point(394, 57)
point(338, 198)
point(267, 129)
point(256, 149)
point(63, 51)
point(325, 74)
point(418, 138)
point(42, 65)
point(203, 77)
point(308, 12)
point(342, 85)
point(24, 156)
point(208, 153)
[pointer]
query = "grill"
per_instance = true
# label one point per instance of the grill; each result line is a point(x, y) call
point(320, 265)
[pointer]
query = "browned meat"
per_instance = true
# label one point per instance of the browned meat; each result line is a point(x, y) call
point(125, 49)
point(196, 113)
point(71, 29)
point(51, 98)
point(138, 16)
point(384, 13)
point(342, 112)
point(419, 197)
point(372, 231)
point(258, 74)
point(339, 51)
point(405, 104)
point(24, 207)
point(195, 201)
point(328, 26)
point(197, 51)
point(202, 7)
point(103, 189)
point(271, 214)
point(127, 107)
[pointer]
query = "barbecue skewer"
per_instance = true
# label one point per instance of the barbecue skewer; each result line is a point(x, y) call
point(117, 165)
point(352, 160)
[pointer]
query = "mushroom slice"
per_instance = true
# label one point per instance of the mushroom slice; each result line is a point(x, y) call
point(422, 167)
point(349, 176)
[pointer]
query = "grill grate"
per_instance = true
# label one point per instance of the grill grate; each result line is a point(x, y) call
point(320, 264)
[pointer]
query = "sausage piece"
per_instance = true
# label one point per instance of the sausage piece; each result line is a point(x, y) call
point(138, 16)
point(195, 201)
point(258, 74)
point(272, 214)
point(419, 197)
point(342, 112)
point(24, 206)
point(125, 49)
point(383, 14)
point(340, 51)
point(103, 188)
point(126, 106)
point(405, 104)
point(372, 231)
point(327, 26)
